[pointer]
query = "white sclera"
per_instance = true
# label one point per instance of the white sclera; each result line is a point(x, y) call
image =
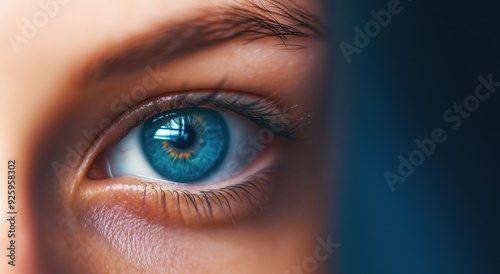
point(126, 157)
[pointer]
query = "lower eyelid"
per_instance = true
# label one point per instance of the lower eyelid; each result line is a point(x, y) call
point(249, 196)
point(239, 198)
point(176, 207)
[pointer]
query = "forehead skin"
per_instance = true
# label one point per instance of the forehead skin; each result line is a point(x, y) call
point(39, 83)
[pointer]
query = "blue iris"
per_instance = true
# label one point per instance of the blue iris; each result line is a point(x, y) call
point(185, 145)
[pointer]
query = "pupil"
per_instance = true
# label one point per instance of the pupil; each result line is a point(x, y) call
point(185, 138)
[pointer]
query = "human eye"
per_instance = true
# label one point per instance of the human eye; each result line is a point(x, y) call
point(196, 158)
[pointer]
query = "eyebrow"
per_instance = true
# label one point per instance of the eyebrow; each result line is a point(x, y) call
point(249, 20)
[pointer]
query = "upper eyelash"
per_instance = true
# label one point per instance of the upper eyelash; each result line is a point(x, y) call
point(264, 112)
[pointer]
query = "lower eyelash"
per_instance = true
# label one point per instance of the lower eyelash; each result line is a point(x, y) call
point(227, 204)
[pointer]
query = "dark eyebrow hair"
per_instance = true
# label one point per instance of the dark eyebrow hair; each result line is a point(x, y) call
point(250, 20)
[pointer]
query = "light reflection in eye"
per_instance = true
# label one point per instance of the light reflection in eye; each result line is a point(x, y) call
point(174, 130)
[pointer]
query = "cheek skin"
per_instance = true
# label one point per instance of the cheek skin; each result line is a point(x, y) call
point(244, 248)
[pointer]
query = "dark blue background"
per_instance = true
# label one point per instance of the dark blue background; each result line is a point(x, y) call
point(445, 217)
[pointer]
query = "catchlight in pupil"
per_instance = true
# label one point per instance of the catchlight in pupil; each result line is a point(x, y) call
point(185, 145)
point(178, 132)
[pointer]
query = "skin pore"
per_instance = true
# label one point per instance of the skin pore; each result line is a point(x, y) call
point(72, 91)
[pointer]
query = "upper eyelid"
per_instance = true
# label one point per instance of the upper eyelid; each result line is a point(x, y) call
point(264, 112)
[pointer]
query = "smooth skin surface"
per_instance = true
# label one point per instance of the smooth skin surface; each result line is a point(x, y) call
point(74, 70)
